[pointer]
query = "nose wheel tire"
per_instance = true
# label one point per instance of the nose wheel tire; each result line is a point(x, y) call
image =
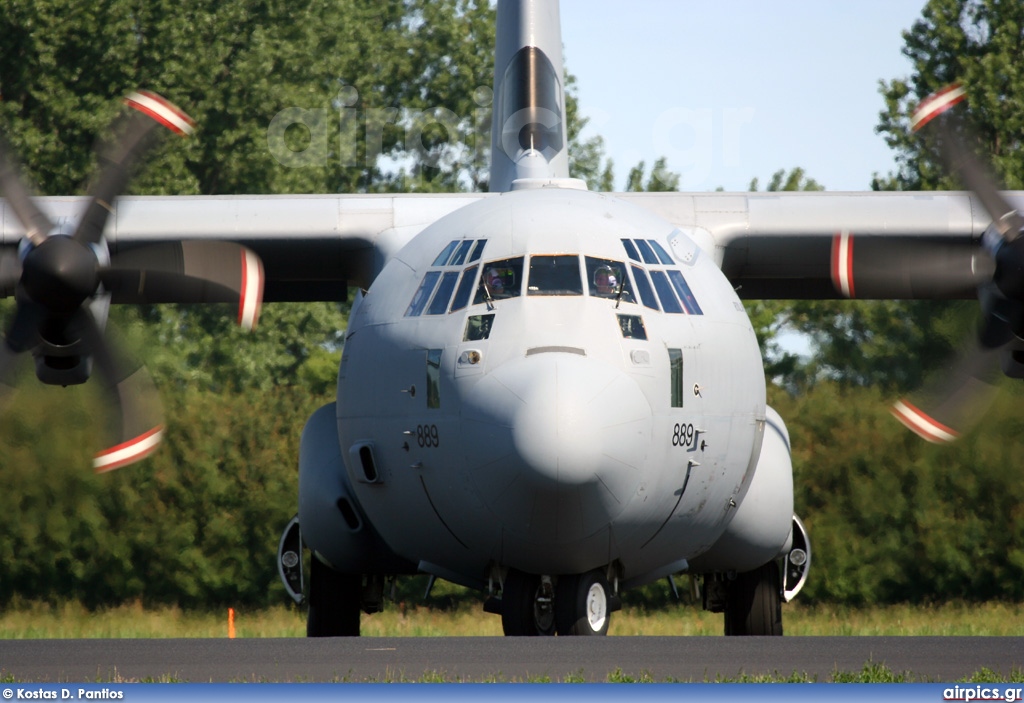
point(526, 606)
point(582, 604)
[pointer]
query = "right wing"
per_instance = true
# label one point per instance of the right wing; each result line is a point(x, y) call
point(820, 245)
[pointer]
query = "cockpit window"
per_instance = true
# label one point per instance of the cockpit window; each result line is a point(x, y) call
point(665, 292)
point(632, 327)
point(442, 258)
point(456, 252)
point(478, 327)
point(459, 257)
point(646, 252)
point(608, 279)
point(554, 275)
point(643, 286)
point(422, 295)
point(478, 250)
point(500, 280)
point(685, 294)
point(631, 251)
point(660, 251)
point(439, 303)
point(465, 289)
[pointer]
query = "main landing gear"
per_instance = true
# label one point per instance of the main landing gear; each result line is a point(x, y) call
point(578, 604)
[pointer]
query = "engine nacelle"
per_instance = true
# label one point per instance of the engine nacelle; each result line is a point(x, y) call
point(761, 529)
point(334, 526)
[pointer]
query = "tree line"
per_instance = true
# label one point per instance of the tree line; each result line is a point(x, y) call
point(197, 524)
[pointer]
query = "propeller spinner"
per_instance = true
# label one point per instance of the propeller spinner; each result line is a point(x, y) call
point(941, 411)
point(56, 279)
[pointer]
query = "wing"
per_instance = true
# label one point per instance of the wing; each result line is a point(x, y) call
point(312, 246)
point(819, 245)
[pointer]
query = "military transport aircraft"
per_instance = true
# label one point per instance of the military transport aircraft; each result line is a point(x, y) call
point(548, 394)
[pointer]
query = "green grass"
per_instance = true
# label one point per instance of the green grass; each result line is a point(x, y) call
point(465, 618)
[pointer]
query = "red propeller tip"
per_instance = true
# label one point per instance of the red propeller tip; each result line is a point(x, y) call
point(922, 425)
point(162, 110)
point(935, 104)
point(251, 298)
point(128, 452)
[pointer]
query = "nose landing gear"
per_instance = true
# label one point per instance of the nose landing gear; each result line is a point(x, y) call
point(527, 605)
point(578, 604)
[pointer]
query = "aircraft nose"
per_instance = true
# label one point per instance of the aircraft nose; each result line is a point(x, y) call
point(558, 443)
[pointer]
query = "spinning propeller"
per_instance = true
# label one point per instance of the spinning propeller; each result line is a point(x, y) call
point(63, 285)
point(944, 409)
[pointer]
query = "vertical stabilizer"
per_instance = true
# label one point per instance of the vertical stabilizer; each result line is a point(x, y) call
point(528, 136)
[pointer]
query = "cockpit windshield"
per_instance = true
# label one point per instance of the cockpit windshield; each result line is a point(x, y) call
point(530, 107)
point(554, 275)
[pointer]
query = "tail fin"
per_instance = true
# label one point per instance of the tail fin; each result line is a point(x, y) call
point(528, 133)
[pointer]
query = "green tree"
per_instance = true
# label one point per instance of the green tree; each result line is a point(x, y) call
point(234, 66)
point(975, 42)
point(978, 44)
point(660, 180)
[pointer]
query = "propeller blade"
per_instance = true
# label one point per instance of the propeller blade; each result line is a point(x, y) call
point(35, 223)
point(136, 419)
point(23, 334)
point(962, 161)
point(10, 364)
point(10, 273)
point(951, 405)
point(189, 272)
point(133, 137)
point(943, 410)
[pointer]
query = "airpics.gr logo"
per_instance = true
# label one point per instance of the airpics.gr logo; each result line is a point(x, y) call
point(981, 693)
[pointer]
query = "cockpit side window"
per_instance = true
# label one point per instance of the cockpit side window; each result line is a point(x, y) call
point(555, 275)
point(500, 280)
point(460, 254)
point(685, 294)
point(660, 251)
point(669, 302)
point(477, 250)
point(645, 251)
point(465, 289)
point(631, 251)
point(422, 295)
point(445, 254)
point(608, 279)
point(643, 286)
point(439, 303)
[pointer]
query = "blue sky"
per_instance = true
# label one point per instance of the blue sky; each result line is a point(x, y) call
point(733, 89)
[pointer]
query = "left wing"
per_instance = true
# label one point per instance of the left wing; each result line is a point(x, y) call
point(312, 246)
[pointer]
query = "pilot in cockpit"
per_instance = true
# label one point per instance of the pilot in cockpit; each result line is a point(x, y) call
point(605, 281)
point(495, 285)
